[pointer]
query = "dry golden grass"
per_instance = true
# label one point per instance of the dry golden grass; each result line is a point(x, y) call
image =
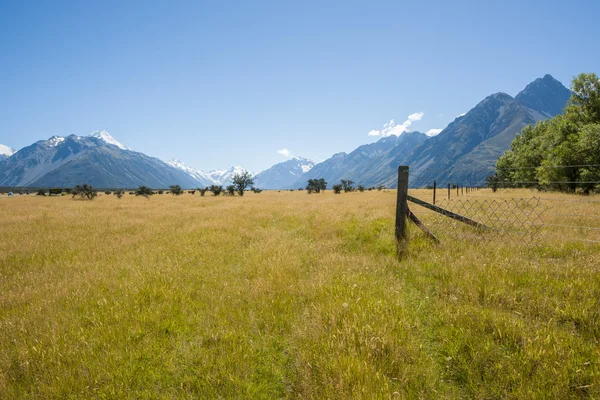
point(284, 295)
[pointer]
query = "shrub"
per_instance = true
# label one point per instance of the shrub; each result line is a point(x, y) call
point(216, 189)
point(256, 190)
point(203, 191)
point(108, 193)
point(316, 185)
point(361, 188)
point(119, 193)
point(176, 190)
point(192, 192)
point(85, 192)
point(144, 191)
point(41, 192)
point(161, 191)
point(347, 185)
point(337, 189)
point(230, 190)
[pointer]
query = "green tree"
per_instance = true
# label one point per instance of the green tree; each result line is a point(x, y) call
point(337, 189)
point(176, 190)
point(216, 189)
point(85, 192)
point(242, 181)
point(230, 190)
point(144, 191)
point(347, 185)
point(559, 153)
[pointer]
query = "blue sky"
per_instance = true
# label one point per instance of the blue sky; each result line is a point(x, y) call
point(221, 83)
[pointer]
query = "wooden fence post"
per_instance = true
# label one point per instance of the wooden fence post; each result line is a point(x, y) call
point(434, 187)
point(401, 212)
point(448, 191)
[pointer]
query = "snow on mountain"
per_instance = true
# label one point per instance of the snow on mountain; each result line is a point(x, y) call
point(200, 176)
point(223, 176)
point(284, 175)
point(107, 138)
point(54, 141)
point(6, 151)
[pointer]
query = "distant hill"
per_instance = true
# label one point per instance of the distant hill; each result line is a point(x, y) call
point(98, 160)
point(284, 175)
point(465, 152)
point(367, 163)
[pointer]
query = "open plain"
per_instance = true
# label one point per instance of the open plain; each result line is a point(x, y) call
point(286, 295)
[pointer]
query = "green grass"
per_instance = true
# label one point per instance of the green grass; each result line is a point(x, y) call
point(283, 295)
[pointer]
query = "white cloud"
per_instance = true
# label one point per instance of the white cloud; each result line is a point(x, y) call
point(285, 152)
point(391, 128)
point(433, 132)
point(415, 117)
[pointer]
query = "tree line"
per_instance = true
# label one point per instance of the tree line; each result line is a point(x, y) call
point(561, 153)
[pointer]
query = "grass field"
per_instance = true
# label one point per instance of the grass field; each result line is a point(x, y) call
point(284, 295)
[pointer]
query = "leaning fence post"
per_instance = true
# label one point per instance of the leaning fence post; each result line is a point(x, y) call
point(401, 212)
point(434, 187)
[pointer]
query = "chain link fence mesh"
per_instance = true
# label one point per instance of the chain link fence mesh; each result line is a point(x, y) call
point(514, 220)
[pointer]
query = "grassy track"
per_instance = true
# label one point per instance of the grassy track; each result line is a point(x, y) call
point(283, 295)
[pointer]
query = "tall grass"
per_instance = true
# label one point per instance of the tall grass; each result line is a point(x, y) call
point(283, 295)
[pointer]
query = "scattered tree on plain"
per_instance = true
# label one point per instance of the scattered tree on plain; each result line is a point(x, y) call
point(242, 181)
point(216, 189)
point(316, 185)
point(143, 191)
point(176, 190)
point(337, 189)
point(85, 192)
point(347, 185)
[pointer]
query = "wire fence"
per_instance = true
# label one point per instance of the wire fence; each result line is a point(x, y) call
point(525, 212)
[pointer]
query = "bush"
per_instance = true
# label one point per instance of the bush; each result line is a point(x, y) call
point(119, 193)
point(202, 191)
point(41, 192)
point(347, 185)
point(337, 189)
point(256, 190)
point(216, 189)
point(192, 192)
point(85, 192)
point(144, 191)
point(176, 190)
point(161, 191)
point(316, 185)
point(361, 188)
point(108, 193)
point(230, 190)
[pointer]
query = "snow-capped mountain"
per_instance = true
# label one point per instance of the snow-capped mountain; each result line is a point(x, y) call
point(6, 152)
point(200, 176)
point(223, 176)
point(107, 138)
point(284, 175)
point(97, 159)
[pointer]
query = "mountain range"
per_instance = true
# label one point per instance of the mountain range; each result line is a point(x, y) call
point(464, 152)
